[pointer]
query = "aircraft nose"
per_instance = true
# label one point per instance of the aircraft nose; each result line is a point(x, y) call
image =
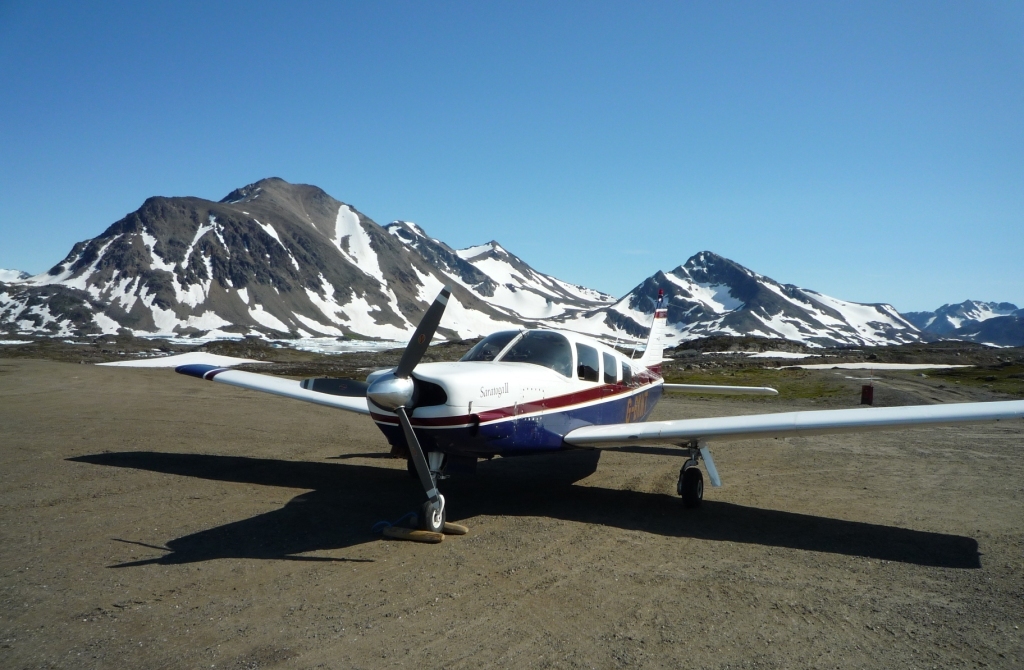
point(391, 392)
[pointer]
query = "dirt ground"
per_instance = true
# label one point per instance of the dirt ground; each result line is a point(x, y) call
point(153, 520)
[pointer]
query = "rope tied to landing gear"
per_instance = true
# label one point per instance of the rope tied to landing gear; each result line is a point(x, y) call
point(381, 525)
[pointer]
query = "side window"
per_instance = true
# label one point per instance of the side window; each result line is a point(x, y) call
point(627, 374)
point(586, 365)
point(610, 368)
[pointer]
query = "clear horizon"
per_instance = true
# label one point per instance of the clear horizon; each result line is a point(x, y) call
point(867, 151)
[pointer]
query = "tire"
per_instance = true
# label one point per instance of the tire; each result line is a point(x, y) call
point(430, 521)
point(691, 487)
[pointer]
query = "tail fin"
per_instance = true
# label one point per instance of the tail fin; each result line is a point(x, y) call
point(656, 340)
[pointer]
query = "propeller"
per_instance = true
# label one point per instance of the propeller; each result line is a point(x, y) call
point(397, 388)
point(396, 391)
point(423, 335)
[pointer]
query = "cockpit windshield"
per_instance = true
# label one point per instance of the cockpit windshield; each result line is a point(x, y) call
point(542, 347)
point(489, 347)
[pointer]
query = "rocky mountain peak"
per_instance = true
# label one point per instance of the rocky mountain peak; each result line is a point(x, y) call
point(704, 260)
point(407, 231)
point(710, 295)
point(252, 191)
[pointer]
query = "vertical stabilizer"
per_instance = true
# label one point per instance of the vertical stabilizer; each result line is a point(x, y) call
point(656, 340)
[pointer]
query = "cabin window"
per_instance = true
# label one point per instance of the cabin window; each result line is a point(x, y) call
point(627, 373)
point(610, 368)
point(489, 347)
point(587, 363)
point(542, 347)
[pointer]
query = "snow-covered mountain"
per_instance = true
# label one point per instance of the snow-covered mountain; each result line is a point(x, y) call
point(948, 318)
point(1000, 323)
point(9, 276)
point(501, 278)
point(281, 260)
point(711, 295)
point(285, 260)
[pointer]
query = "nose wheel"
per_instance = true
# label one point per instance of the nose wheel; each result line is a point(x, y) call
point(432, 518)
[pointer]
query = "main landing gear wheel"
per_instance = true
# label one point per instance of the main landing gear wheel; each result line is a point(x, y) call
point(691, 487)
point(431, 519)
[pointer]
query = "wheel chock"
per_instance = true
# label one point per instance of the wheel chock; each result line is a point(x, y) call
point(454, 528)
point(399, 533)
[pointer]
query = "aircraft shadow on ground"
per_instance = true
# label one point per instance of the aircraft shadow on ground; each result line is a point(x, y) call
point(346, 499)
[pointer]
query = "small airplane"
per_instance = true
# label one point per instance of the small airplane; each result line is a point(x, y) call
point(520, 392)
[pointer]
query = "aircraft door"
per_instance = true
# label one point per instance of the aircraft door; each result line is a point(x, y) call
point(528, 429)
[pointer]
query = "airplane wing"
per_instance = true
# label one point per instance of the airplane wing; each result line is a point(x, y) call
point(726, 390)
point(288, 388)
point(787, 424)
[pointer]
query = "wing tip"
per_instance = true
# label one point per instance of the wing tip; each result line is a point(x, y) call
point(200, 370)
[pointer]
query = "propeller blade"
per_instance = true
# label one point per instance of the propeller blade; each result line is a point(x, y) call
point(416, 453)
point(351, 388)
point(423, 335)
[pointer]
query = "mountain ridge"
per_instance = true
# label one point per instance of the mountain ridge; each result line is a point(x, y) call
point(999, 323)
point(284, 260)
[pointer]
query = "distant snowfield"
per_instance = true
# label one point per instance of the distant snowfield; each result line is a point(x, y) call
point(761, 354)
point(874, 366)
point(190, 358)
point(779, 354)
point(331, 345)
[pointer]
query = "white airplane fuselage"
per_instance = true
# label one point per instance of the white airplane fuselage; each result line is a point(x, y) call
point(497, 407)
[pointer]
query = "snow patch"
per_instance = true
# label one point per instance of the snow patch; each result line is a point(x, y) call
point(13, 276)
point(347, 227)
point(779, 354)
point(155, 261)
point(203, 229)
point(266, 319)
point(269, 230)
point(319, 327)
point(470, 253)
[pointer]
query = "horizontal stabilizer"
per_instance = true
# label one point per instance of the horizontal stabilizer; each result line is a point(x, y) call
point(721, 390)
point(788, 424)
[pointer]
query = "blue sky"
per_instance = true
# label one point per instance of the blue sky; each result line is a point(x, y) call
point(871, 151)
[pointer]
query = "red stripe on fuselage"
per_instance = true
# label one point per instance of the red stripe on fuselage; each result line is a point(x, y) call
point(605, 391)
